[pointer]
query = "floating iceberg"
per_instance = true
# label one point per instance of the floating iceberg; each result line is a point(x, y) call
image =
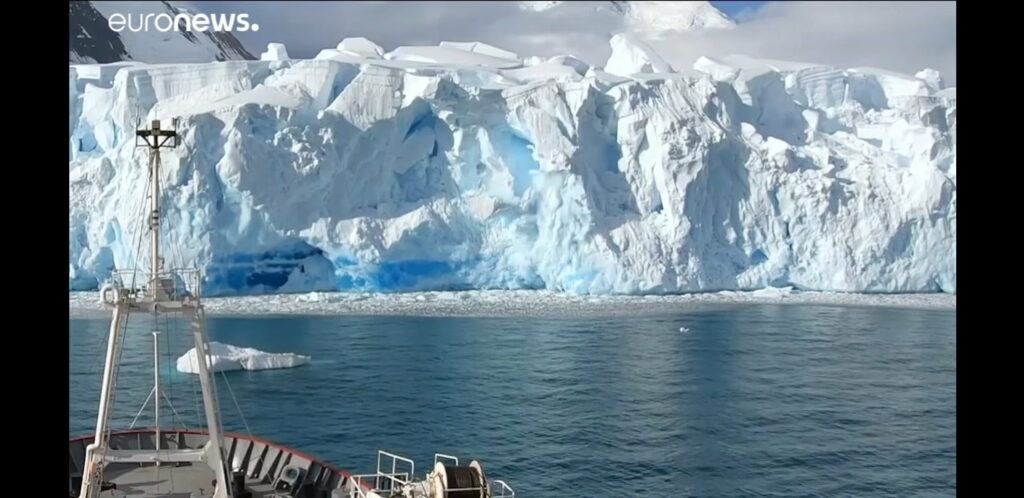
point(225, 357)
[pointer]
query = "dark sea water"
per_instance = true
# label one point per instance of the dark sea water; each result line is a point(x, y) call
point(759, 400)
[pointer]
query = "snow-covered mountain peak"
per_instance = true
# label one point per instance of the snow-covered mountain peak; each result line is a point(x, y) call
point(661, 18)
point(655, 19)
point(91, 40)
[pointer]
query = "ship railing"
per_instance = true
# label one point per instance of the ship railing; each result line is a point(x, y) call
point(501, 490)
point(386, 483)
point(441, 456)
point(396, 479)
point(380, 482)
point(357, 491)
point(184, 282)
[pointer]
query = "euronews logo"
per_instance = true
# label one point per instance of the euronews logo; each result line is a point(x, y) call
point(183, 21)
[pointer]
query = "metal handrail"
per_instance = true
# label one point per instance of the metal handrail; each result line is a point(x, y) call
point(357, 490)
point(394, 463)
point(452, 490)
point(446, 457)
point(503, 488)
point(395, 481)
point(186, 281)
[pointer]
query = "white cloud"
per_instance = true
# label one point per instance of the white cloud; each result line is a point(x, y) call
point(581, 28)
point(899, 36)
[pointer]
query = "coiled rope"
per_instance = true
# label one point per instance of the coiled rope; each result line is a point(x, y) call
point(462, 478)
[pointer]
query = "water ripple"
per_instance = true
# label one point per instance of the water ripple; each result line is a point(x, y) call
point(761, 400)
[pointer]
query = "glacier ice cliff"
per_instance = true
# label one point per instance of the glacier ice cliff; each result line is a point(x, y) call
point(464, 166)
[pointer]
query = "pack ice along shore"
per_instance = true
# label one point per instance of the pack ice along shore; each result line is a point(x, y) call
point(465, 166)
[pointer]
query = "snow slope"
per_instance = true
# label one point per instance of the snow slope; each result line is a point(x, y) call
point(91, 40)
point(649, 19)
point(466, 167)
point(661, 18)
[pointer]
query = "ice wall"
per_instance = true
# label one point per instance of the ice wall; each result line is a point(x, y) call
point(461, 166)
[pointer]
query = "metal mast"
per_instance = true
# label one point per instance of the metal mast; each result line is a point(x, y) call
point(155, 139)
point(162, 292)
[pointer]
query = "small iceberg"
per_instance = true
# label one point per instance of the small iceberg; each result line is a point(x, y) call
point(772, 292)
point(225, 357)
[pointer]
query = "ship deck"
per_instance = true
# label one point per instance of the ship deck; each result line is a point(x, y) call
point(184, 480)
point(262, 462)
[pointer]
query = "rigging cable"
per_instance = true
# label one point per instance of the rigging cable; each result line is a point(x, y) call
point(235, 400)
point(169, 393)
point(195, 394)
point(144, 405)
point(134, 257)
point(167, 357)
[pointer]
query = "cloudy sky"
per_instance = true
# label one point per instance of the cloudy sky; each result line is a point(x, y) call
point(899, 36)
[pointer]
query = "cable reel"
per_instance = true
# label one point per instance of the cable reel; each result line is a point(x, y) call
point(451, 481)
